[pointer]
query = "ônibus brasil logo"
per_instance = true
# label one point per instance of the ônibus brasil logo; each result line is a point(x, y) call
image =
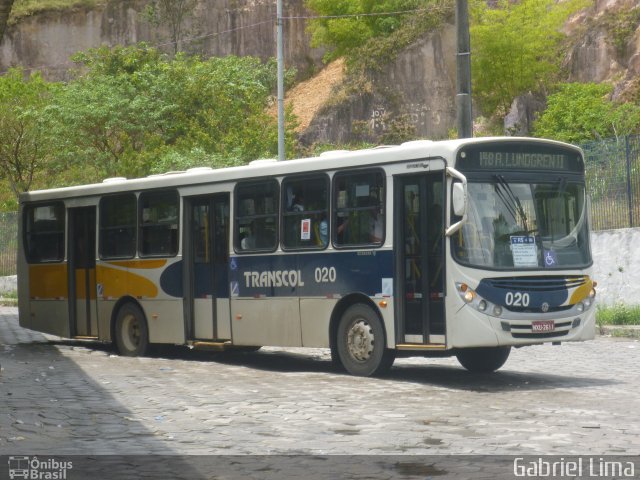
point(35, 469)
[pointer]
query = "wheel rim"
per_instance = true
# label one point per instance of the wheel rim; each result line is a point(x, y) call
point(360, 340)
point(131, 334)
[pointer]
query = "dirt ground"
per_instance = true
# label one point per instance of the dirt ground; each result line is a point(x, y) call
point(309, 96)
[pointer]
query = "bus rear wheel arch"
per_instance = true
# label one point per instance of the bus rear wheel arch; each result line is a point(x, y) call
point(483, 359)
point(359, 344)
point(131, 332)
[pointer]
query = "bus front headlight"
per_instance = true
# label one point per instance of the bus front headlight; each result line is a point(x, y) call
point(471, 298)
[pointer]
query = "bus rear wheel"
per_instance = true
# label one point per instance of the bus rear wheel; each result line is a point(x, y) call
point(360, 342)
point(483, 359)
point(131, 334)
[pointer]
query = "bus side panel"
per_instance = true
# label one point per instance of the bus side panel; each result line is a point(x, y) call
point(156, 284)
point(105, 312)
point(315, 316)
point(48, 297)
point(165, 320)
point(267, 321)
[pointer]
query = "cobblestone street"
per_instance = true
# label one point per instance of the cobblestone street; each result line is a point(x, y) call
point(66, 397)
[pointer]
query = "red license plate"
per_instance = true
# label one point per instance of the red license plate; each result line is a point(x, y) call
point(543, 326)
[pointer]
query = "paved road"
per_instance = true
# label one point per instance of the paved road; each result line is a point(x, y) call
point(63, 397)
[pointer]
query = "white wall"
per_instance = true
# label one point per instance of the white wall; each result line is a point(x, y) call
point(616, 258)
point(8, 284)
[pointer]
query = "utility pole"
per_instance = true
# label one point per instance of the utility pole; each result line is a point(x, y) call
point(281, 152)
point(463, 71)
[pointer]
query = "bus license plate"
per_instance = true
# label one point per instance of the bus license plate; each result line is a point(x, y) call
point(543, 326)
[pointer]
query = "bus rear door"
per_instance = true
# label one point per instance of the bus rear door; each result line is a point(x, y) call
point(82, 272)
point(206, 262)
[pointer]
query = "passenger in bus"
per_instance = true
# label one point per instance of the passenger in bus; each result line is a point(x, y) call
point(297, 204)
point(375, 226)
point(323, 230)
point(248, 242)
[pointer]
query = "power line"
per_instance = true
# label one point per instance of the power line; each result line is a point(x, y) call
point(65, 65)
point(355, 15)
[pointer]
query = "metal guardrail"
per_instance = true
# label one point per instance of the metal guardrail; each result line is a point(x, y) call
point(8, 243)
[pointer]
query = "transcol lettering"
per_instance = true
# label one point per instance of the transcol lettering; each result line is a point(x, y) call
point(276, 278)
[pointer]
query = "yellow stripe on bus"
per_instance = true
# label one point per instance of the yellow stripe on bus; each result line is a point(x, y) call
point(117, 283)
point(81, 283)
point(47, 281)
point(581, 292)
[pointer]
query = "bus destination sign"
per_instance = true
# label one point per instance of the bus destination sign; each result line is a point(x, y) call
point(513, 157)
point(520, 160)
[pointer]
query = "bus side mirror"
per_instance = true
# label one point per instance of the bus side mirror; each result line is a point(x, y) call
point(458, 199)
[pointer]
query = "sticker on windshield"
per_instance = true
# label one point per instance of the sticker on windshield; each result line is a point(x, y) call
point(550, 258)
point(524, 250)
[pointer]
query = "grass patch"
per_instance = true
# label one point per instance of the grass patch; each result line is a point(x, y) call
point(618, 314)
point(26, 8)
point(12, 295)
point(9, 299)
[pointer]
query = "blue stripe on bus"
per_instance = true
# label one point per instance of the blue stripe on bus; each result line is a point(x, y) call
point(285, 275)
point(312, 275)
point(554, 297)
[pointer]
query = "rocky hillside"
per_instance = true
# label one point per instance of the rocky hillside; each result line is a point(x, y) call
point(45, 41)
point(413, 95)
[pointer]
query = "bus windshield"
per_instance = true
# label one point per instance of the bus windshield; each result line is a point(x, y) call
point(514, 225)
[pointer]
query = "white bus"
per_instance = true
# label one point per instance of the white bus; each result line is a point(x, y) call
point(464, 247)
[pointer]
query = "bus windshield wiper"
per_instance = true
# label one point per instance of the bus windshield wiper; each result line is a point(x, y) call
point(511, 201)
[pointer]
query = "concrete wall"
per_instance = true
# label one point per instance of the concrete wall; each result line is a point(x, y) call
point(616, 257)
point(8, 284)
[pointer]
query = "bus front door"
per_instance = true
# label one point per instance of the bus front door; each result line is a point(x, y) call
point(82, 272)
point(419, 231)
point(206, 269)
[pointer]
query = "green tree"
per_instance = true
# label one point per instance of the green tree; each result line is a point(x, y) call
point(172, 14)
point(23, 135)
point(133, 110)
point(580, 112)
point(349, 24)
point(516, 48)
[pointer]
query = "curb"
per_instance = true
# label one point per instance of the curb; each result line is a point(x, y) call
point(626, 331)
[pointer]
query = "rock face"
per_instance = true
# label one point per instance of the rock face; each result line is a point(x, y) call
point(216, 27)
point(606, 44)
point(415, 94)
point(412, 97)
point(524, 109)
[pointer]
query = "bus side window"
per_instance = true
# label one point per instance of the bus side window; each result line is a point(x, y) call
point(118, 219)
point(256, 222)
point(359, 208)
point(158, 223)
point(306, 212)
point(44, 233)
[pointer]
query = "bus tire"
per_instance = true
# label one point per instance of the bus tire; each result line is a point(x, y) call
point(360, 342)
point(483, 359)
point(131, 333)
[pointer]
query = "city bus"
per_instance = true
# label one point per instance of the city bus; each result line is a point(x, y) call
point(462, 248)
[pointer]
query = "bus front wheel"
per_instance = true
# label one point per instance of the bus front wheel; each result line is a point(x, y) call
point(360, 342)
point(132, 336)
point(483, 359)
